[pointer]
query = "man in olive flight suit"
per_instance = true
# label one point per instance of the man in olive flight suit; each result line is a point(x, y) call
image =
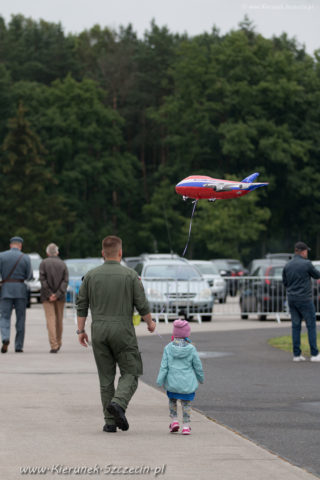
point(112, 291)
point(15, 268)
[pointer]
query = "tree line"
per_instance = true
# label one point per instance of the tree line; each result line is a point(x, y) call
point(97, 128)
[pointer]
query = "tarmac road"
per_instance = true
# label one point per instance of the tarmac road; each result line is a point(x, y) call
point(254, 389)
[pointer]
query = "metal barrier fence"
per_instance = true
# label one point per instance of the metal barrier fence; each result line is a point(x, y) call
point(254, 296)
point(260, 297)
point(170, 298)
point(72, 293)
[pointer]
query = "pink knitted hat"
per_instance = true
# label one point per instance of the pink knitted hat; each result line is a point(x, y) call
point(181, 328)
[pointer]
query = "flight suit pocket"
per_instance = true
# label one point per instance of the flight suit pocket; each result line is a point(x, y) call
point(131, 362)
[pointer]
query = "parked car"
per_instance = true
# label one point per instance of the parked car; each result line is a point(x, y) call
point(230, 268)
point(236, 266)
point(279, 256)
point(210, 273)
point(258, 262)
point(133, 261)
point(77, 268)
point(34, 285)
point(264, 292)
point(316, 289)
point(175, 287)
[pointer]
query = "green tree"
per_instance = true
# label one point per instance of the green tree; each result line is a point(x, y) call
point(37, 51)
point(229, 228)
point(97, 180)
point(28, 203)
point(6, 103)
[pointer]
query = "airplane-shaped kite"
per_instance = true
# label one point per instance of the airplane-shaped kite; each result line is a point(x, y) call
point(201, 187)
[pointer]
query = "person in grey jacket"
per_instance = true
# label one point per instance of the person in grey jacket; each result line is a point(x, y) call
point(15, 268)
point(297, 279)
point(180, 372)
point(54, 278)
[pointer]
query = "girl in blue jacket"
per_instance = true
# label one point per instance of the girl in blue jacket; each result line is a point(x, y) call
point(180, 371)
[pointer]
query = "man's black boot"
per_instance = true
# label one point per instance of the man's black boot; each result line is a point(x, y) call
point(110, 428)
point(118, 413)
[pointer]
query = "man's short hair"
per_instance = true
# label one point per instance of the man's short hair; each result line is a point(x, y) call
point(52, 249)
point(111, 246)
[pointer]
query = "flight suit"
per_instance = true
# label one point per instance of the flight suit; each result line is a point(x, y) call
point(112, 291)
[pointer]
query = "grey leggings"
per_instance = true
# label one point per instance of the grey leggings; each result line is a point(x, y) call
point(186, 409)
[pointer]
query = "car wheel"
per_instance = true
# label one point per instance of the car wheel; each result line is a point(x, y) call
point(223, 299)
point(261, 316)
point(206, 318)
point(244, 316)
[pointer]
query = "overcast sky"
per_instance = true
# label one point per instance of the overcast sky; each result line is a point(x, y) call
point(299, 18)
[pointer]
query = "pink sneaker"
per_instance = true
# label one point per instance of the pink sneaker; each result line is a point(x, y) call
point(174, 427)
point(186, 430)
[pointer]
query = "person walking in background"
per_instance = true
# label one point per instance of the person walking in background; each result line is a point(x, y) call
point(112, 291)
point(180, 371)
point(54, 279)
point(15, 268)
point(296, 277)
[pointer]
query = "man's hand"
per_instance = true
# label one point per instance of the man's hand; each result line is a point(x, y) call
point(83, 339)
point(151, 324)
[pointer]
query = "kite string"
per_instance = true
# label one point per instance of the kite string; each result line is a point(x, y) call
point(190, 226)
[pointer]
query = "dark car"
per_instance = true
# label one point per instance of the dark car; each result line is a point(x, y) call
point(316, 289)
point(263, 292)
point(230, 267)
point(280, 256)
point(131, 262)
point(258, 262)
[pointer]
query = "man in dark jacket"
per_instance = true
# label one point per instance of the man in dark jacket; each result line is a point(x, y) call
point(297, 279)
point(15, 268)
point(54, 279)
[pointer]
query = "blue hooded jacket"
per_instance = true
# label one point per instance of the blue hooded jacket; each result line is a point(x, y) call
point(180, 369)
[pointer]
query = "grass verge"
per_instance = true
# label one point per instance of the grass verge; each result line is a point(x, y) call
point(285, 343)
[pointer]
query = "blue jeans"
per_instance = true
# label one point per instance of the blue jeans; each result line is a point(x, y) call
point(7, 305)
point(303, 309)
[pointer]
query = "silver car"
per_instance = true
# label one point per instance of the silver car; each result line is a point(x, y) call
point(175, 288)
point(210, 273)
point(34, 285)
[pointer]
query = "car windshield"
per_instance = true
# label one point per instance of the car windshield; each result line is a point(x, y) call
point(78, 268)
point(35, 263)
point(269, 271)
point(222, 264)
point(177, 272)
point(235, 264)
point(207, 268)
